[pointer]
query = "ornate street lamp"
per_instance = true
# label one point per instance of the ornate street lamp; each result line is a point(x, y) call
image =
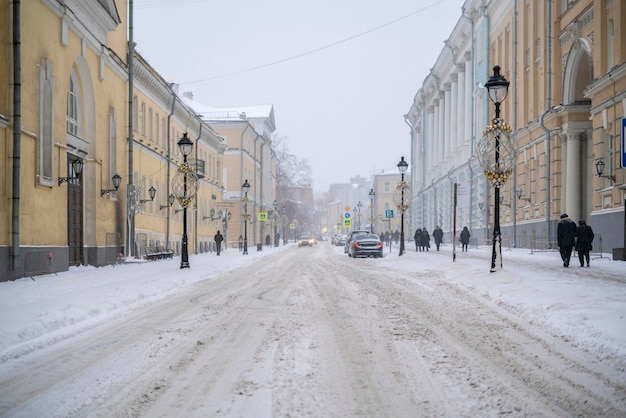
point(117, 180)
point(371, 195)
point(77, 168)
point(600, 164)
point(496, 154)
point(245, 188)
point(398, 198)
point(185, 186)
point(284, 226)
point(275, 218)
point(152, 193)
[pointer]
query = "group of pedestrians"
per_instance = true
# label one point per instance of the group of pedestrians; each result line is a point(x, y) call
point(389, 237)
point(570, 236)
point(422, 238)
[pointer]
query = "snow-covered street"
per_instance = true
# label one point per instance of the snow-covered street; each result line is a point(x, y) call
point(298, 332)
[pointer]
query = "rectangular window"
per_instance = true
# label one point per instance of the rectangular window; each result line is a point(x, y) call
point(45, 140)
point(72, 109)
point(610, 43)
point(150, 125)
point(387, 187)
point(143, 119)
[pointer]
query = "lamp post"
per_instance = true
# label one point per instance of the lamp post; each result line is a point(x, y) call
point(497, 154)
point(275, 217)
point(245, 187)
point(371, 195)
point(284, 226)
point(185, 146)
point(403, 166)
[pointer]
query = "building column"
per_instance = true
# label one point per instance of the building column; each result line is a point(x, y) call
point(572, 175)
point(441, 126)
point(460, 109)
point(469, 95)
point(447, 119)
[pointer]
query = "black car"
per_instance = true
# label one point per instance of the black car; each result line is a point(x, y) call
point(366, 245)
point(346, 247)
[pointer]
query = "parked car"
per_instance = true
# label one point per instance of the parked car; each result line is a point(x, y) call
point(306, 240)
point(350, 237)
point(366, 245)
point(340, 240)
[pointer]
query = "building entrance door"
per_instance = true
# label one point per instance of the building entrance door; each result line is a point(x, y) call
point(74, 215)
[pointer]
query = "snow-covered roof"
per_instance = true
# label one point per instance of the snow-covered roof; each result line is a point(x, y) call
point(264, 111)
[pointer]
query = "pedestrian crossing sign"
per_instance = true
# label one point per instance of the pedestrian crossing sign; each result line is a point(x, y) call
point(347, 222)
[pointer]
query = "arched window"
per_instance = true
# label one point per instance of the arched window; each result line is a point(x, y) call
point(74, 117)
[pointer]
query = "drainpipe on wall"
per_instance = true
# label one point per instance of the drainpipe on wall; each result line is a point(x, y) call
point(545, 112)
point(130, 250)
point(195, 210)
point(17, 132)
point(169, 165)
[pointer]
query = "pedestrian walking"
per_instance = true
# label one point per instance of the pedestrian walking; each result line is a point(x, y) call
point(418, 238)
point(218, 238)
point(268, 240)
point(566, 238)
point(240, 241)
point(438, 236)
point(425, 239)
point(584, 238)
point(465, 236)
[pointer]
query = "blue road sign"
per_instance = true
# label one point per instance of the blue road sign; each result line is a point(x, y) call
point(389, 213)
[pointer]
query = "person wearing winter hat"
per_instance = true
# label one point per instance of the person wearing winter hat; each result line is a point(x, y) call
point(585, 236)
point(566, 238)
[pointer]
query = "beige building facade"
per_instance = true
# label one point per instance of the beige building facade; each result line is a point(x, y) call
point(566, 64)
point(75, 191)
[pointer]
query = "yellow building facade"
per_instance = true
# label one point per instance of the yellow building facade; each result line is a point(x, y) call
point(75, 190)
point(566, 64)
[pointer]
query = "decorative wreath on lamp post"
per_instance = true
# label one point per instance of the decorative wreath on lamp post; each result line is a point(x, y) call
point(401, 204)
point(185, 184)
point(496, 152)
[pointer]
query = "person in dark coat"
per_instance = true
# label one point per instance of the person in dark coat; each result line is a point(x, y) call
point(438, 236)
point(585, 236)
point(465, 236)
point(218, 238)
point(268, 240)
point(418, 239)
point(425, 239)
point(566, 238)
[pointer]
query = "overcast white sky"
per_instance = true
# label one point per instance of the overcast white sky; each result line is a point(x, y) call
point(338, 97)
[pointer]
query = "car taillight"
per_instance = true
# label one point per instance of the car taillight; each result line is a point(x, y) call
point(356, 244)
point(380, 244)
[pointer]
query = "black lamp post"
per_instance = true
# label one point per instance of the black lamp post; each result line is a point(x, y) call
point(371, 195)
point(498, 87)
point(245, 187)
point(275, 216)
point(284, 226)
point(186, 145)
point(403, 166)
